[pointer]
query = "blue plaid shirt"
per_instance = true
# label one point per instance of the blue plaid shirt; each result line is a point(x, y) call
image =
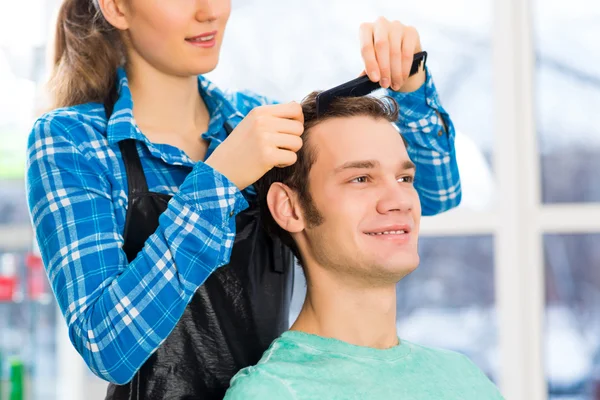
point(118, 313)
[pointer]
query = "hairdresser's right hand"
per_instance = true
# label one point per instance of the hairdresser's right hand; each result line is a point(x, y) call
point(268, 137)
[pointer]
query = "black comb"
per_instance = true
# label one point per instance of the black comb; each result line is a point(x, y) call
point(361, 86)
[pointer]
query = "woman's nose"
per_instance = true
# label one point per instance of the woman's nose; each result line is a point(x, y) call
point(207, 10)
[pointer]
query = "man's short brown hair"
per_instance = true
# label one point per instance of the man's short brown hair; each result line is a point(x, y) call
point(296, 175)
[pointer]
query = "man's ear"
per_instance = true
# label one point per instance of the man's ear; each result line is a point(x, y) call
point(115, 13)
point(285, 208)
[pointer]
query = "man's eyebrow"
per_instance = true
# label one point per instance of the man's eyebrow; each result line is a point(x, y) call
point(361, 164)
point(408, 165)
point(370, 164)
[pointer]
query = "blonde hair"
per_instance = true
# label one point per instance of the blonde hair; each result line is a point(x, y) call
point(87, 52)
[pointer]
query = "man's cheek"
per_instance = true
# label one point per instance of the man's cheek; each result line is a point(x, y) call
point(416, 203)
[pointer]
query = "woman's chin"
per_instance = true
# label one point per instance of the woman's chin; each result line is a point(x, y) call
point(203, 67)
point(194, 65)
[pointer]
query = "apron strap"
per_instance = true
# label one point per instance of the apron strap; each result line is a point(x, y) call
point(133, 166)
point(228, 128)
point(136, 180)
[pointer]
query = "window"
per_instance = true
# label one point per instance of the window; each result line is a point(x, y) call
point(567, 93)
point(567, 90)
point(572, 343)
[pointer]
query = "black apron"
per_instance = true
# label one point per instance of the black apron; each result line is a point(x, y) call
point(232, 318)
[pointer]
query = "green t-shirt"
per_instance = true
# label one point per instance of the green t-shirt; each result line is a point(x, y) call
point(301, 366)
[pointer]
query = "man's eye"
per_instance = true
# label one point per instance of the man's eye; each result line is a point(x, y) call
point(406, 179)
point(360, 179)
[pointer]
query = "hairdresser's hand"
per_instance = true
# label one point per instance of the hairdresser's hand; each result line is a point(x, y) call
point(268, 137)
point(387, 48)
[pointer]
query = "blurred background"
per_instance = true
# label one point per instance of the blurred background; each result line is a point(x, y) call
point(511, 278)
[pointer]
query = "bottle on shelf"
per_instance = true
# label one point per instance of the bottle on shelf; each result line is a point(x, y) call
point(17, 380)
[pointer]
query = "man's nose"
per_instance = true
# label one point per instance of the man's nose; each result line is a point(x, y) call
point(396, 196)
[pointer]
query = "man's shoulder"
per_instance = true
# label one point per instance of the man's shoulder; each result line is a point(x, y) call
point(442, 356)
point(259, 382)
point(468, 378)
point(433, 350)
point(271, 378)
point(456, 364)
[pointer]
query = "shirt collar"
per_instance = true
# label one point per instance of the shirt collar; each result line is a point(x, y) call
point(217, 102)
point(121, 124)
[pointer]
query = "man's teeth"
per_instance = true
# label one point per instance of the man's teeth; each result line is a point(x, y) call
point(387, 233)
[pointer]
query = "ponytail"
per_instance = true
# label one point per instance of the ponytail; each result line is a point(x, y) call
point(87, 52)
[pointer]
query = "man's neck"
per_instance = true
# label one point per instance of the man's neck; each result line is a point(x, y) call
point(363, 316)
point(166, 104)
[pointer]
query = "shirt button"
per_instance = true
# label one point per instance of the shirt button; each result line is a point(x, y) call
point(231, 214)
point(440, 133)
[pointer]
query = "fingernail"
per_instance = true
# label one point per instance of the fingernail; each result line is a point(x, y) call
point(375, 75)
point(385, 82)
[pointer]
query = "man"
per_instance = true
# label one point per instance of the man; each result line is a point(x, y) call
point(350, 213)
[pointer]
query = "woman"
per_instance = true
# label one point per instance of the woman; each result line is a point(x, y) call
point(139, 187)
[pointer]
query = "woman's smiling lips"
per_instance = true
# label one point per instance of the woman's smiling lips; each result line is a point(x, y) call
point(204, 40)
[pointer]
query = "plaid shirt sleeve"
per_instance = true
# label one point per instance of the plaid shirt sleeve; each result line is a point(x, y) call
point(118, 312)
point(429, 132)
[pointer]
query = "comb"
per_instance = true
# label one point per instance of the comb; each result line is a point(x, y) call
point(361, 86)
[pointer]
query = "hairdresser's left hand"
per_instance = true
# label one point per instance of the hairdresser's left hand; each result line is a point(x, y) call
point(387, 48)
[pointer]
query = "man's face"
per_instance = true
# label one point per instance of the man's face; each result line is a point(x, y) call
point(361, 184)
